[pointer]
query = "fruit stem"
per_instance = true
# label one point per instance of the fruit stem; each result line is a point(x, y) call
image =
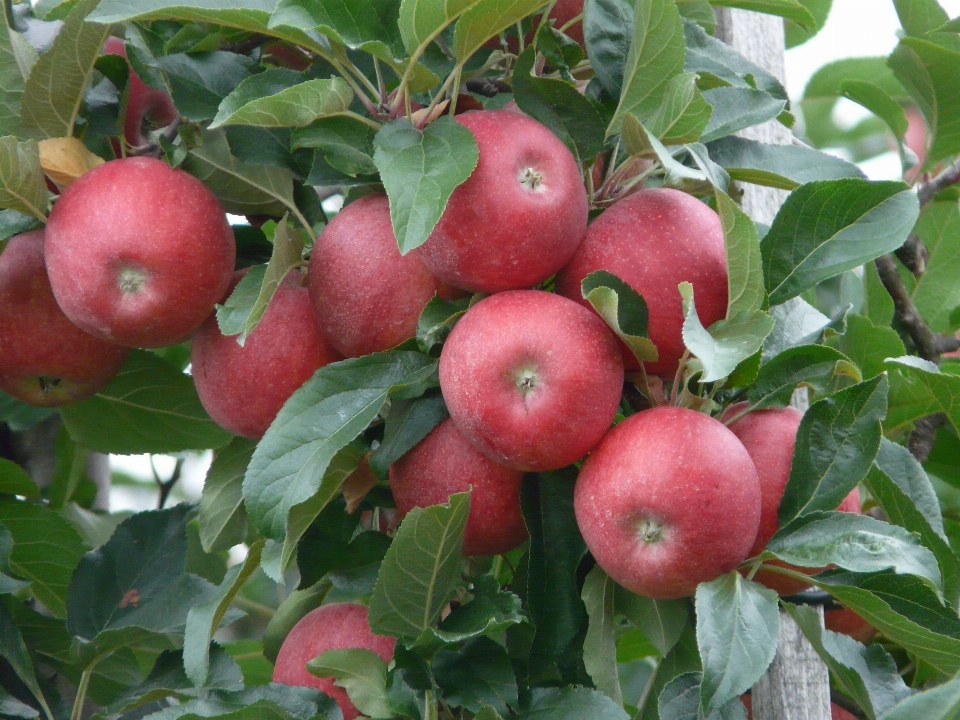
point(81, 698)
point(572, 21)
point(739, 415)
point(678, 376)
point(754, 568)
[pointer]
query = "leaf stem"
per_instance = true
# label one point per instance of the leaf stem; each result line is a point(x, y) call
point(451, 78)
point(429, 706)
point(358, 91)
point(678, 376)
point(365, 120)
point(754, 568)
point(77, 466)
point(81, 698)
point(246, 603)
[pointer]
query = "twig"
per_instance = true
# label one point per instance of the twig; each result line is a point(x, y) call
point(950, 176)
point(166, 486)
point(906, 312)
point(921, 440)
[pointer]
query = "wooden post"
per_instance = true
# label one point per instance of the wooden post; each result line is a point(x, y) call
point(796, 686)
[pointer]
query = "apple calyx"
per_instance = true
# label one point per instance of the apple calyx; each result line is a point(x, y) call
point(48, 383)
point(531, 179)
point(131, 279)
point(526, 381)
point(650, 530)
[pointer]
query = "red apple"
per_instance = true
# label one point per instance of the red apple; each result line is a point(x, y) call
point(45, 359)
point(444, 463)
point(847, 622)
point(144, 104)
point(368, 297)
point(518, 218)
point(565, 11)
point(915, 139)
point(336, 626)
point(531, 379)
point(244, 387)
point(669, 499)
point(653, 240)
point(138, 253)
point(769, 436)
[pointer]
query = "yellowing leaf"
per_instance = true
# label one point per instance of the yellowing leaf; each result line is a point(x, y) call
point(65, 159)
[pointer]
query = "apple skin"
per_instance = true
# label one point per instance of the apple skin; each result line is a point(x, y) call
point(565, 11)
point(531, 379)
point(143, 103)
point(679, 478)
point(444, 463)
point(847, 622)
point(769, 435)
point(45, 360)
point(368, 297)
point(335, 626)
point(653, 240)
point(518, 218)
point(244, 387)
point(139, 253)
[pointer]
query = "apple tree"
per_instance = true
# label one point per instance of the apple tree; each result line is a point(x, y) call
point(405, 556)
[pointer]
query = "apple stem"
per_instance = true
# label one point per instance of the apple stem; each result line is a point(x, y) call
point(571, 22)
point(754, 568)
point(678, 377)
point(81, 698)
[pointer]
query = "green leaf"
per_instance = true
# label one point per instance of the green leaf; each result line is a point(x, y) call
point(420, 570)
point(361, 673)
point(662, 622)
point(788, 9)
point(904, 609)
point(867, 674)
point(17, 56)
point(168, 680)
point(712, 58)
point(422, 20)
point(608, 34)
point(475, 675)
point(223, 519)
point(296, 605)
point(656, 54)
point(369, 25)
point(150, 406)
point(254, 102)
point(728, 342)
point(14, 651)
point(736, 108)
point(551, 590)
point(46, 549)
point(204, 620)
point(409, 422)
point(15, 481)
point(266, 702)
point(559, 106)
point(875, 99)
point(319, 419)
point(902, 489)
point(438, 318)
point(737, 627)
point(133, 590)
point(928, 71)
point(56, 84)
point(242, 188)
point(570, 703)
point(867, 345)
point(745, 274)
point(796, 35)
point(683, 658)
point(420, 170)
point(918, 17)
point(943, 388)
point(486, 19)
point(781, 166)
point(855, 542)
point(938, 703)
point(936, 294)
point(22, 186)
point(815, 366)
point(13, 223)
point(346, 144)
point(604, 290)
point(837, 441)
point(491, 610)
point(827, 227)
point(684, 113)
point(600, 644)
point(680, 700)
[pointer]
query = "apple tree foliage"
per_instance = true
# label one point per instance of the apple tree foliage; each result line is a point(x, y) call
point(851, 294)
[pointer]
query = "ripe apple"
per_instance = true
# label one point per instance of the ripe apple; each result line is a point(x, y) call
point(45, 359)
point(565, 11)
point(847, 622)
point(138, 253)
point(669, 499)
point(653, 240)
point(244, 387)
point(335, 626)
point(444, 463)
point(915, 139)
point(368, 297)
point(518, 218)
point(769, 435)
point(144, 104)
point(531, 379)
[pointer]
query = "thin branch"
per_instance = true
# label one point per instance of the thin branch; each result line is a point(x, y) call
point(165, 486)
point(905, 310)
point(950, 176)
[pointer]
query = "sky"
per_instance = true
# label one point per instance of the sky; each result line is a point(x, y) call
point(855, 28)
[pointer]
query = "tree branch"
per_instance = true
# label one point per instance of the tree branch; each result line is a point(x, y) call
point(906, 312)
point(950, 176)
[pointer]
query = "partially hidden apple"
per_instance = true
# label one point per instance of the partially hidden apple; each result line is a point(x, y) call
point(335, 626)
point(846, 621)
point(368, 297)
point(669, 499)
point(244, 387)
point(769, 435)
point(444, 463)
point(146, 106)
point(138, 253)
point(518, 218)
point(653, 240)
point(45, 359)
point(531, 379)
